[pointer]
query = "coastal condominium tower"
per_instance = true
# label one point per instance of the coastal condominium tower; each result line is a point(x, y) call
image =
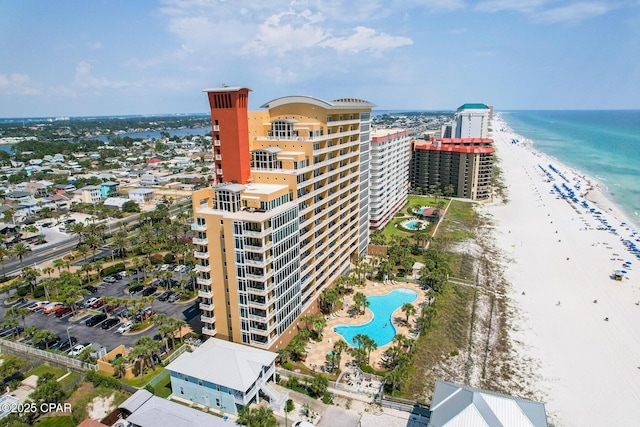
point(389, 174)
point(287, 218)
point(469, 121)
point(459, 167)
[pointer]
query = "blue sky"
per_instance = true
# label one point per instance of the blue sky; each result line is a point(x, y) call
point(83, 58)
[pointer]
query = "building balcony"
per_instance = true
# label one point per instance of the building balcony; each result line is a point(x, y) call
point(216, 143)
point(258, 234)
point(201, 255)
point(198, 227)
point(258, 304)
point(209, 331)
point(216, 128)
point(262, 277)
point(219, 171)
point(218, 157)
point(199, 241)
point(203, 282)
point(252, 248)
point(262, 263)
point(205, 293)
point(206, 307)
point(203, 268)
point(208, 319)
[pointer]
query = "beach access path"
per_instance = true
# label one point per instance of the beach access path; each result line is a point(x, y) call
point(558, 264)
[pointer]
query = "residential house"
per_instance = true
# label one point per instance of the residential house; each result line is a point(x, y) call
point(457, 405)
point(149, 179)
point(142, 195)
point(109, 189)
point(36, 188)
point(18, 196)
point(115, 202)
point(225, 376)
point(64, 188)
point(143, 409)
point(89, 194)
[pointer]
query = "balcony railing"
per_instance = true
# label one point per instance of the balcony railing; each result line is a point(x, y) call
point(205, 294)
point(198, 227)
point(208, 319)
point(203, 282)
point(200, 241)
point(199, 254)
point(206, 307)
point(209, 331)
point(203, 268)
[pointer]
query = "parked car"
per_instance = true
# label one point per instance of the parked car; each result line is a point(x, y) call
point(149, 291)
point(165, 267)
point(144, 314)
point(174, 297)
point(135, 289)
point(165, 295)
point(124, 327)
point(90, 302)
point(45, 344)
point(118, 276)
point(110, 323)
point(98, 303)
point(95, 319)
point(111, 307)
point(50, 308)
point(109, 279)
point(79, 348)
point(37, 306)
point(91, 289)
point(62, 311)
point(66, 344)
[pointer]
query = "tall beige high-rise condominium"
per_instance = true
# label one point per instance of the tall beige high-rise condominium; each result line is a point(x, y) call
point(288, 215)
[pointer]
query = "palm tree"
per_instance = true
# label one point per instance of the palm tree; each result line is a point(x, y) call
point(83, 251)
point(18, 312)
point(43, 335)
point(4, 253)
point(360, 300)
point(11, 323)
point(284, 356)
point(259, 417)
point(20, 250)
point(409, 310)
point(48, 271)
point(429, 313)
point(59, 264)
point(31, 277)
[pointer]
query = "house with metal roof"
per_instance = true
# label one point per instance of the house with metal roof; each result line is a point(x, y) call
point(225, 376)
point(143, 409)
point(455, 405)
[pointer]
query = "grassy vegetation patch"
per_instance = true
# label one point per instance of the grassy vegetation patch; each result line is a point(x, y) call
point(80, 412)
point(44, 368)
point(144, 380)
point(163, 388)
point(63, 421)
point(447, 336)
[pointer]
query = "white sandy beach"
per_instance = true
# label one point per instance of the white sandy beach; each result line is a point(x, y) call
point(589, 368)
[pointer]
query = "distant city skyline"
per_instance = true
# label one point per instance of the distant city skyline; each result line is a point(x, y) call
point(155, 57)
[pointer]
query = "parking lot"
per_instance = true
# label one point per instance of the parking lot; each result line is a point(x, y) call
point(109, 338)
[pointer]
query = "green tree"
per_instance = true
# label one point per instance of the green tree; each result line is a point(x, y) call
point(360, 300)
point(409, 310)
point(20, 250)
point(17, 313)
point(256, 417)
point(318, 384)
point(130, 207)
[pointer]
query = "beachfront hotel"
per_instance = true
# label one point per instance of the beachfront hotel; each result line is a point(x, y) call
point(463, 165)
point(389, 174)
point(469, 121)
point(287, 215)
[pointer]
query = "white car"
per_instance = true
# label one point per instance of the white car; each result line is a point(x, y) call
point(124, 327)
point(75, 351)
point(165, 267)
point(90, 302)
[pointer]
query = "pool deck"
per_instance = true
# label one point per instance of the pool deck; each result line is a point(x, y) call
point(317, 351)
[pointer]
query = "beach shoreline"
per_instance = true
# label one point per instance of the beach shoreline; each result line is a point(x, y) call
point(558, 257)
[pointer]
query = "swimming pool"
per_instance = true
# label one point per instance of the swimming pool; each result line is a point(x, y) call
point(380, 328)
point(412, 225)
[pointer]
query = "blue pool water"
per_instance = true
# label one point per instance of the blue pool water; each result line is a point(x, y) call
point(380, 328)
point(412, 225)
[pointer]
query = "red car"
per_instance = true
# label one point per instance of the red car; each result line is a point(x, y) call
point(62, 311)
point(97, 304)
point(111, 307)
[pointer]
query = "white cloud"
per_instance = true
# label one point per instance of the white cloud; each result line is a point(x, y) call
point(523, 6)
point(366, 40)
point(437, 5)
point(95, 46)
point(18, 84)
point(574, 13)
point(86, 80)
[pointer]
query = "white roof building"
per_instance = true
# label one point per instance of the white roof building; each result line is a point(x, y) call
point(461, 406)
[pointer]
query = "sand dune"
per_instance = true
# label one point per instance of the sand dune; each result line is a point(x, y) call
point(589, 367)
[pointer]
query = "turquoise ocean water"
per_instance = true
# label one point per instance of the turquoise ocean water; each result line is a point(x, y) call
point(601, 144)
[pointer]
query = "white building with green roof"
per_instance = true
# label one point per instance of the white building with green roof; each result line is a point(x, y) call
point(471, 121)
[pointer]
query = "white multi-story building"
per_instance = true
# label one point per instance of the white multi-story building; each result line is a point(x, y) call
point(471, 121)
point(389, 174)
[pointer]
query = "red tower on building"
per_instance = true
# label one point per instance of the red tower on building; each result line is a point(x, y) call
point(230, 133)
